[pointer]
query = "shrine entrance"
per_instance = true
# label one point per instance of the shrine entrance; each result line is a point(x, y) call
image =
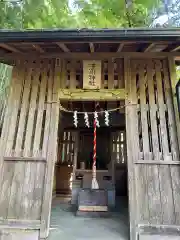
point(74, 166)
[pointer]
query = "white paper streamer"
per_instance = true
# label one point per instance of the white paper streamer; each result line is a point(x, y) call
point(75, 119)
point(96, 119)
point(106, 118)
point(86, 118)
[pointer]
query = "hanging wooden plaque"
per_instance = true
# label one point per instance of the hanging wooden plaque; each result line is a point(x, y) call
point(91, 74)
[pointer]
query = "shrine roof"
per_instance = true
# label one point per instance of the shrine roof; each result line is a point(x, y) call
point(57, 42)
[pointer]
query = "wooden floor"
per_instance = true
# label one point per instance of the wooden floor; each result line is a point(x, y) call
point(65, 225)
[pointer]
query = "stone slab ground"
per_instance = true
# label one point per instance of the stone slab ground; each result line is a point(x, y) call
point(66, 226)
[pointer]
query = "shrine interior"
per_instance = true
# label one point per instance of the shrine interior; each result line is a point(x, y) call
point(73, 169)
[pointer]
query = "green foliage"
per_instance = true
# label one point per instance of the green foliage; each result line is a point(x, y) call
point(87, 13)
point(35, 14)
point(10, 15)
point(115, 13)
point(47, 14)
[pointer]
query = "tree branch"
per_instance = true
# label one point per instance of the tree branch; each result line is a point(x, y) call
point(127, 13)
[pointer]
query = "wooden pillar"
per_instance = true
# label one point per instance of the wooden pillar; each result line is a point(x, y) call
point(131, 147)
point(76, 148)
point(112, 159)
point(51, 157)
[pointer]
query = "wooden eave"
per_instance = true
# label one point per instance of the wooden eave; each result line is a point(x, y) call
point(88, 43)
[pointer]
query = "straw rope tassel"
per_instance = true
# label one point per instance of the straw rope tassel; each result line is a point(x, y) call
point(94, 180)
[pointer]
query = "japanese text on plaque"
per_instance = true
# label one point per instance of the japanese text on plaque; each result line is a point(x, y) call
point(92, 74)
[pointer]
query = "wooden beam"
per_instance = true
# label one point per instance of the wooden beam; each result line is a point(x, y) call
point(88, 56)
point(20, 224)
point(38, 48)
point(31, 159)
point(89, 170)
point(149, 47)
point(158, 229)
point(157, 162)
point(71, 105)
point(9, 48)
point(103, 94)
point(91, 46)
point(96, 41)
point(120, 47)
point(63, 47)
point(83, 107)
point(175, 49)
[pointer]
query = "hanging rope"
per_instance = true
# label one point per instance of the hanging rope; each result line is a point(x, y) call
point(102, 111)
point(94, 180)
point(94, 149)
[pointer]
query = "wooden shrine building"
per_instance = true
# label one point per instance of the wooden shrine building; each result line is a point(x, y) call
point(135, 72)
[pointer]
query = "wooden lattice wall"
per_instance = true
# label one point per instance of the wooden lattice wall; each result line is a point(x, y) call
point(67, 148)
point(28, 145)
point(112, 74)
point(153, 150)
point(157, 132)
point(119, 153)
point(30, 113)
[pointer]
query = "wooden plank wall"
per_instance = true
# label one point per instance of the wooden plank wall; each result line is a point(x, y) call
point(9, 234)
point(112, 74)
point(28, 145)
point(154, 166)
